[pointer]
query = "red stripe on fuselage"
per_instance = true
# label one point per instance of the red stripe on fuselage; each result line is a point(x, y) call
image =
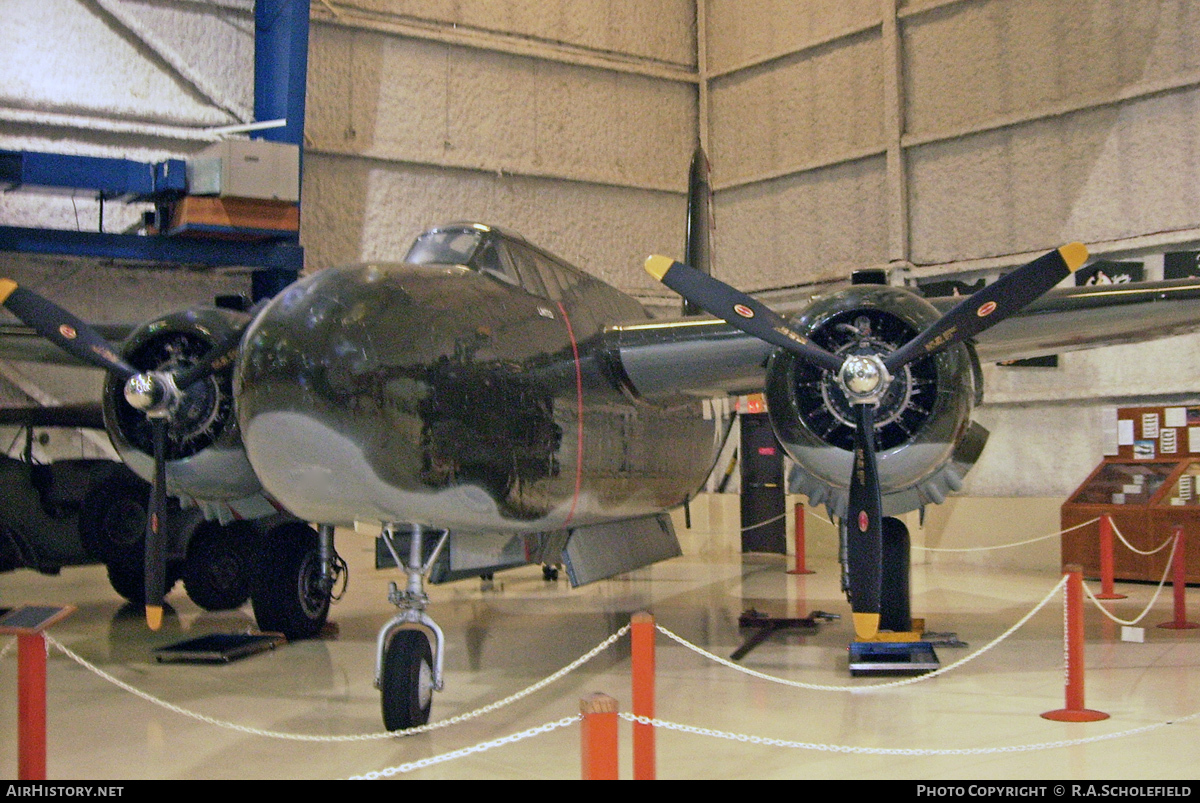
point(578, 413)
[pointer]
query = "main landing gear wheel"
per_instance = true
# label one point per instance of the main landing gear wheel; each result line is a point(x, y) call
point(219, 564)
point(287, 592)
point(407, 681)
point(895, 604)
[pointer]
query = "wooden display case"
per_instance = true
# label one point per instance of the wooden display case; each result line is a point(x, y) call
point(1148, 488)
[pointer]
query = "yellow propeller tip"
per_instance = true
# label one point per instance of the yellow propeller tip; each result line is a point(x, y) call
point(154, 616)
point(658, 266)
point(1074, 254)
point(6, 288)
point(866, 625)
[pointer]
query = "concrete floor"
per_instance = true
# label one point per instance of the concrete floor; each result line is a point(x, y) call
point(506, 637)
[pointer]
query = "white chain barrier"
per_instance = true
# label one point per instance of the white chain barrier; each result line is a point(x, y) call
point(875, 686)
point(466, 751)
point(1161, 583)
point(361, 737)
point(898, 751)
point(667, 725)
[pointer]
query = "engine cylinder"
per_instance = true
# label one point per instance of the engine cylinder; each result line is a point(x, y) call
point(924, 435)
point(205, 457)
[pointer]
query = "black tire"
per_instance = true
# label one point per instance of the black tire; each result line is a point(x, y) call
point(219, 567)
point(128, 578)
point(286, 590)
point(112, 517)
point(895, 605)
point(407, 682)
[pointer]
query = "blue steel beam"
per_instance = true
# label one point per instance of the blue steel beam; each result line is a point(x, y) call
point(274, 257)
point(122, 179)
point(281, 67)
point(280, 81)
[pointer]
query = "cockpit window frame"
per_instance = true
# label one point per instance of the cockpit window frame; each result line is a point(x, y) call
point(520, 264)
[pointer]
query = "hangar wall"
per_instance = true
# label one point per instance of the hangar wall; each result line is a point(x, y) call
point(951, 136)
point(570, 122)
point(933, 136)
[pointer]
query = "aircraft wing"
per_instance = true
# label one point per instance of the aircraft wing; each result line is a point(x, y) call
point(702, 356)
point(23, 344)
point(1089, 317)
point(86, 415)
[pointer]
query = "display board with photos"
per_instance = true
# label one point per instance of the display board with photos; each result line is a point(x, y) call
point(1148, 484)
point(1152, 433)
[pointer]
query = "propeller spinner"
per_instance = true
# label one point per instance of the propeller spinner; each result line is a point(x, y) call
point(158, 394)
point(865, 378)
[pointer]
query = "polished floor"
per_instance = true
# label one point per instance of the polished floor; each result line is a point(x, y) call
point(504, 637)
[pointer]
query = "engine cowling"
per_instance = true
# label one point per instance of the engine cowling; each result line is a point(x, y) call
point(925, 436)
point(206, 462)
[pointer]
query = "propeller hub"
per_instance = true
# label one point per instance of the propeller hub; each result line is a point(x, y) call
point(864, 378)
point(153, 393)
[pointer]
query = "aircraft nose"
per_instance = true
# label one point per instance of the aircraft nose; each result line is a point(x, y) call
point(366, 392)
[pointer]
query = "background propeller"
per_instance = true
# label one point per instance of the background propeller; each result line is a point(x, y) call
point(865, 378)
point(156, 393)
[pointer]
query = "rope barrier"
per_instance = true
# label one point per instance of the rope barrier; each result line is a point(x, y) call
point(983, 549)
point(1131, 547)
point(361, 737)
point(1161, 583)
point(1006, 546)
point(764, 523)
point(667, 725)
point(877, 686)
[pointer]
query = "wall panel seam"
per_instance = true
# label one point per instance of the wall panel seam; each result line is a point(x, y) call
point(482, 39)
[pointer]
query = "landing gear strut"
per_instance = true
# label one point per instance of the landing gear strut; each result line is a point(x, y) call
point(407, 669)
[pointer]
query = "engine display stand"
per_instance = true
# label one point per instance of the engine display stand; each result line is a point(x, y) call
point(892, 658)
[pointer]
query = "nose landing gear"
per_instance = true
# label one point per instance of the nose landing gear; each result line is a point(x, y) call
point(411, 647)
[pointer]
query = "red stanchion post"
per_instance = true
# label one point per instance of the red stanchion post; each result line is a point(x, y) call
point(1073, 649)
point(27, 623)
point(643, 637)
point(798, 540)
point(1179, 586)
point(598, 737)
point(1106, 560)
point(31, 707)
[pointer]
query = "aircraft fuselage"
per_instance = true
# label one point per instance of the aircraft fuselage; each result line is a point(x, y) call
point(442, 396)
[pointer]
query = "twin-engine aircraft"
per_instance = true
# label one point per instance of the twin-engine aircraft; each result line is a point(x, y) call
point(488, 405)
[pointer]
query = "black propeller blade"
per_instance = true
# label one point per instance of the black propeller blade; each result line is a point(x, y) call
point(63, 329)
point(155, 393)
point(864, 524)
point(865, 379)
point(986, 308)
point(738, 309)
point(156, 515)
point(217, 358)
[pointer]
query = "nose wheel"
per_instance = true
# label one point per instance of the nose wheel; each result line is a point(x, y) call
point(411, 647)
point(406, 688)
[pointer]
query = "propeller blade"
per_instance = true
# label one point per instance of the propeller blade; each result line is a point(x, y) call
point(738, 309)
point(62, 328)
point(992, 304)
point(864, 528)
point(218, 357)
point(156, 547)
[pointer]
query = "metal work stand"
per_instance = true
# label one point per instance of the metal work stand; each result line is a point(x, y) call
point(765, 626)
